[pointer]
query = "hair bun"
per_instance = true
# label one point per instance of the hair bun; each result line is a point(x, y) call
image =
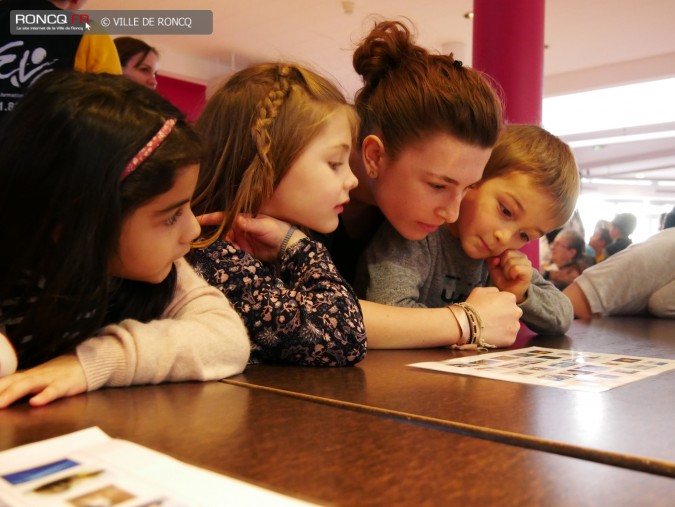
point(388, 46)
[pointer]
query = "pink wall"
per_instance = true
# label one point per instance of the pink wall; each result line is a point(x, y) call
point(187, 96)
point(508, 44)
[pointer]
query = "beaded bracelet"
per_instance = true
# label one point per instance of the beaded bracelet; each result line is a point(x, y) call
point(287, 238)
point(483, 345)
point(475, 322)
point(478, 339)
point(475, 330)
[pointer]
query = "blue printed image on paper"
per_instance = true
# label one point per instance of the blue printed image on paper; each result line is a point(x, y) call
point(39, 472)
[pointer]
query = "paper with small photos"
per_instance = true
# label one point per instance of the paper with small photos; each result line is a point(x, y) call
point(87, 468)
point(565, 369)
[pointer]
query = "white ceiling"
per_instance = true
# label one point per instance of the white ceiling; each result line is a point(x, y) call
point(591, 44)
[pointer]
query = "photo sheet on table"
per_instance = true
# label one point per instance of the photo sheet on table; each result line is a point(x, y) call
point(566, 369)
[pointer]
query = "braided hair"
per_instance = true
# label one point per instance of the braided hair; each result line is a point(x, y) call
point(254, 127)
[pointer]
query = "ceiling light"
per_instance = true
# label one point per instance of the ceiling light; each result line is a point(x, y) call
point(600, 141)
point(626, 106)
point(468, 15)
point(616, 181)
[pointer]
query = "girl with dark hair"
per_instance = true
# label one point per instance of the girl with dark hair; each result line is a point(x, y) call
point(96, 179)
point(139, 60)
point(278, 138)
point(428, 125)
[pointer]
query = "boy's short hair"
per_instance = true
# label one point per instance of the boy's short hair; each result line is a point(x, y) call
point(626, 223)
point(548, 160)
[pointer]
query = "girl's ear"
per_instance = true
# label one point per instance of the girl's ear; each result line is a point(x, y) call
point(373, 154)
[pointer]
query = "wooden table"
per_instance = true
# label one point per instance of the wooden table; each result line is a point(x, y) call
point(631, 426)
point(331, 455)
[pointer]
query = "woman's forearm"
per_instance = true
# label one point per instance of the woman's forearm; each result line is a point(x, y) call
point(393, 327)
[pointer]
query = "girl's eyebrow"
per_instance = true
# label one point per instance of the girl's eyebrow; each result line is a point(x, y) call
point(172, 207)
point(341, 147)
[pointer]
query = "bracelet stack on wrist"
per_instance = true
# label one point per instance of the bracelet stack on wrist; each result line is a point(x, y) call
point(475, 334)
point(287, 238)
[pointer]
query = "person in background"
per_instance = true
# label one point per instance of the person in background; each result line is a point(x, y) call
point(639, 280)
point(662, 220)
point(669, 219)
point(530, 186)
point(278, 138)
point(620, 228)
point(139, 60)
point(25, 58)
point(545, 246)
point(428, 125)
point(568, 258)
point(96, 177)
point(576, 223)
point(599, 241)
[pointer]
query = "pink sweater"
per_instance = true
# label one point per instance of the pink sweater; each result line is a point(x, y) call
point(199, 337)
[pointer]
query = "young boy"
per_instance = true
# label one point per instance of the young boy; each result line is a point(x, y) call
point(530, 186)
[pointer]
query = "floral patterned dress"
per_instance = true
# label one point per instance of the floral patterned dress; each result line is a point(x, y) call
point(298, 312)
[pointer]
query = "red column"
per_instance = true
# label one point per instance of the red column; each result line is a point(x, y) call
point(508, 44)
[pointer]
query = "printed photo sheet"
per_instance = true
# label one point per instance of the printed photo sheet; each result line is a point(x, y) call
point(87, 468)
point(566, 369)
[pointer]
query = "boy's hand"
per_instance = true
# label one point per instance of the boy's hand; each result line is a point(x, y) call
point(511, 272)
point(57, 378)
point(262, 236)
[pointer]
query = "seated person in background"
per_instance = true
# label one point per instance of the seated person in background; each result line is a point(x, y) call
point(662, 221)
point(530, 186)
point(669, 219)
point(568, 256)
point(599, 240)
point(545, 246)
point(27, 56)
point(638, 280)
point(138, 60)
point(621, 227)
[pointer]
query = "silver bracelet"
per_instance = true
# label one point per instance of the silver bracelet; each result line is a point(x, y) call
point(287, 238)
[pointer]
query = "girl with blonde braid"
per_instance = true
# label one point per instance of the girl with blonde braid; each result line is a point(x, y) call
point(278, 139)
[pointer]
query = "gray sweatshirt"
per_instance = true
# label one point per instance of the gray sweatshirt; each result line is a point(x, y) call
point(435, 272)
